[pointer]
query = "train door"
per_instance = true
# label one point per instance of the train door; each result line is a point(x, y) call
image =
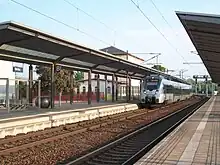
point(162, 96)
point(166, 94)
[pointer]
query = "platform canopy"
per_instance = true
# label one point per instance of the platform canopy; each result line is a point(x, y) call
point(20, 43)
point(204, 32)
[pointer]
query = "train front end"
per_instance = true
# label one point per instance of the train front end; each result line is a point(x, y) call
point(150, 97)
point(150, 92)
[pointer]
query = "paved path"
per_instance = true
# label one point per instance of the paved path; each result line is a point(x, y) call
point(194, 142)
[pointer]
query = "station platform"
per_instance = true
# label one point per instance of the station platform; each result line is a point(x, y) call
point(195, 142)
point(35, 119)
point(77, 106)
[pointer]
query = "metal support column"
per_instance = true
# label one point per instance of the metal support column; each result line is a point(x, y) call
point(106, 88)
point(89, 87)
point(71, 87)
point(7, 102)
point(116, 91)
point(196, 91)
point(141, 86)
point(39, 93)
point(98, 88)
point(17, 90)
point(124, 92)
point(206, 86)
point(113, 87)
point(30, 84)
point(120, 91)
point(127, 81)
point(129, 88)
point(27, 92)
point(212, 89)
point(52, 86)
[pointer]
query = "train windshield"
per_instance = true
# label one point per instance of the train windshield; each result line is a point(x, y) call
point(152, 83)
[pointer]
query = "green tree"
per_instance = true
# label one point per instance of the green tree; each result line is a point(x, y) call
point(44, 75)
point(79, 75)
point(191, 81)
point(62, 79)
point(159, 67)
point(22, 89)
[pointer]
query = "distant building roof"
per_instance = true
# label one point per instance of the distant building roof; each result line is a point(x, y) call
point(117, 52)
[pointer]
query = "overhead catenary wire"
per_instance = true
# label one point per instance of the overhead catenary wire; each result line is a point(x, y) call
point(86, 13)
point(138, 7)
point(60, 22)
point(91, 16)
point(161, 14)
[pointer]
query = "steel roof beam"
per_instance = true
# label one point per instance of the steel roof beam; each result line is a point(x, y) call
point(17, 40)
point(41, 39)
point(95, 66)
point(69, 56)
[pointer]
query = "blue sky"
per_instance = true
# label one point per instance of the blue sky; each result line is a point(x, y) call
point(133, 32)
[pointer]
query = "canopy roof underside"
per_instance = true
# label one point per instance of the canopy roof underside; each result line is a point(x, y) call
point(20, 43)
point(204, 32)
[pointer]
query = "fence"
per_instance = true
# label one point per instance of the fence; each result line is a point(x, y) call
point(16, 93)
point(83, 97)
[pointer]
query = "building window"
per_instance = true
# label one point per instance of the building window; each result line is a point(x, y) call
point(109, 90)
point(84, 89)
point(77, 90)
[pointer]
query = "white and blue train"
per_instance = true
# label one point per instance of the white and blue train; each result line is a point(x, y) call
point(157, 89)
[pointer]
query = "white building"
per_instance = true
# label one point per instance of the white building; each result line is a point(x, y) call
point(121, 81)
point(6, 72)
point(124, 55)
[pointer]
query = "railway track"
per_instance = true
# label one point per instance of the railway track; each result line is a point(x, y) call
point(128, 149)
point(60, 143)
point(23, 141)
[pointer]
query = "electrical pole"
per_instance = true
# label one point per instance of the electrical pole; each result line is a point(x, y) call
point(181, 73)
point(156, 56)
point(196, 77)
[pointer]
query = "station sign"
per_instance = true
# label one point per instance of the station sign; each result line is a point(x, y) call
point(17, 69)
